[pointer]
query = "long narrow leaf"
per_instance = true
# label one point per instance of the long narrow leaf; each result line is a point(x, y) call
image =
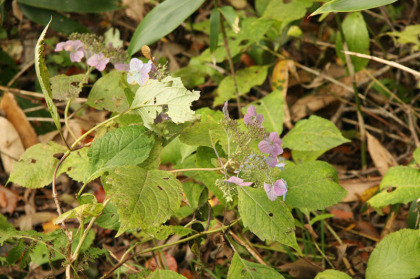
point(78, 6)
point(351, 5)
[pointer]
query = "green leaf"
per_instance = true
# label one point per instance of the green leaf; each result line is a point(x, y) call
point(144, 198)
point(406, 180)
point(357, 39)
point(267, 219)
point(129, 145)
point(319, 218)
point(416, 155)
point(397, 256)
point(109, 219)
point(162, 20)
point(313, 134)
point(286, 11)
point(84, 210)
point(312, 185)
point(176, 152)
point(170, 92)
point(206, 132)
point(204, 157)
point(214, 29)
point(253, 29)
point(332, 274)
point(163, 232)
point(303, 156)
point(271, 107)
point(230, 16)
point(350, 6)
point(76, 165)
point(196, 194)
point(410, 35)
point(16, 252)
point(107, 93)
point(240, 268)
point(44, 77)
point(78, 6)
point(35, 168)
point(66, 87)
point(245, 78)
point(165, 274)
point(60, 23)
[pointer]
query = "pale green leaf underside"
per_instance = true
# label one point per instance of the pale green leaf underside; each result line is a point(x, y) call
point(35, 168)
point(313, 134)
point(312, 185)
point(271, 107)
point(406, 180)
point(332, 274)
point(129, 145)
point(240, 268)
point(245, 78)
point(397, 256)
point(164, 274)
point(350, 5)
point(267, 219)
point(144, 198)
point(66, 87)
point(171, 93)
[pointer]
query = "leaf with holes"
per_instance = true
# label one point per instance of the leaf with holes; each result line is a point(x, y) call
point(312, 185)
point(66, 87)
point(240, 268)
point(35, 168)
point(267, 219)
point(129, 145)
point(76, 165)
point(144, 198)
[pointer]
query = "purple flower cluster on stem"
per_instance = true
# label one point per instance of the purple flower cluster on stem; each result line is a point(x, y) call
point(76, 49)
point(278, 188)
point(237, 181)
point(252, 118)
point(272, 147)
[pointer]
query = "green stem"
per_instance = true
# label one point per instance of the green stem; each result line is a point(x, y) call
point(66, 119)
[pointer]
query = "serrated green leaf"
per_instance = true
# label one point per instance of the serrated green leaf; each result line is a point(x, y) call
point(16, 252)
point(240, 268)
point(35, 168)
point(271, 220)
point(271, 107)
point(76, 165)
point(153, 161)
point(107, 93)
point(312, 185)
point(350, 5)
point(204, 157)
point(304, 156)
point(407, 183)
point(286, 11)
point(61, 23)
point(4, 224)
point(410, 35)
point(144, 198)
point(357, 39)
point(66, 87)
point(109, 219)
point(397, 256)
point(245, 78)
point(254, 29)
point(44, 77)
point(164, 274)
point(78, 6)
point(206, 132)
point(314, 134)
point(161, 21)
point(170, 92)
point(332, 274)
point(163, 232)
point(129, 145)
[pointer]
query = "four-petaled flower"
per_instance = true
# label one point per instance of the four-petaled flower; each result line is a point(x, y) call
point(251, 117)
point(76, 49)
point(98, 61)
point(237, 181)
point(271, 145)
point(279, 188)
point(139, 72)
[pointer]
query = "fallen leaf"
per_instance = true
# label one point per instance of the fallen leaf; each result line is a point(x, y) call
point(11, 147)
point(360, 189)
point(50, 226)
point(301, 269)
point(171, 262)
point(8, 200)
point(381, 157)
point(135, 9)
point(367, 228)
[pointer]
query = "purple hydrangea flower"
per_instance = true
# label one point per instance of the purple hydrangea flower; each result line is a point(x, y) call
point(139, 72)
point(98, 60)
point(279, 188)
point(271, 145)
point(122, 67)
point(76, 49)
point(271, 161)
point(237, 181)
point(251, 117)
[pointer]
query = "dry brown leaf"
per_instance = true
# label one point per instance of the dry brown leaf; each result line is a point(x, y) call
point(17, 13)
point(28, 221)
point(301, 269)
point(18, 119)
point(381, 157)
point(11, 147)
point(8, 199)
point(135, 9)
point(171, 262)
point(359, 189)
point(367, 228)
